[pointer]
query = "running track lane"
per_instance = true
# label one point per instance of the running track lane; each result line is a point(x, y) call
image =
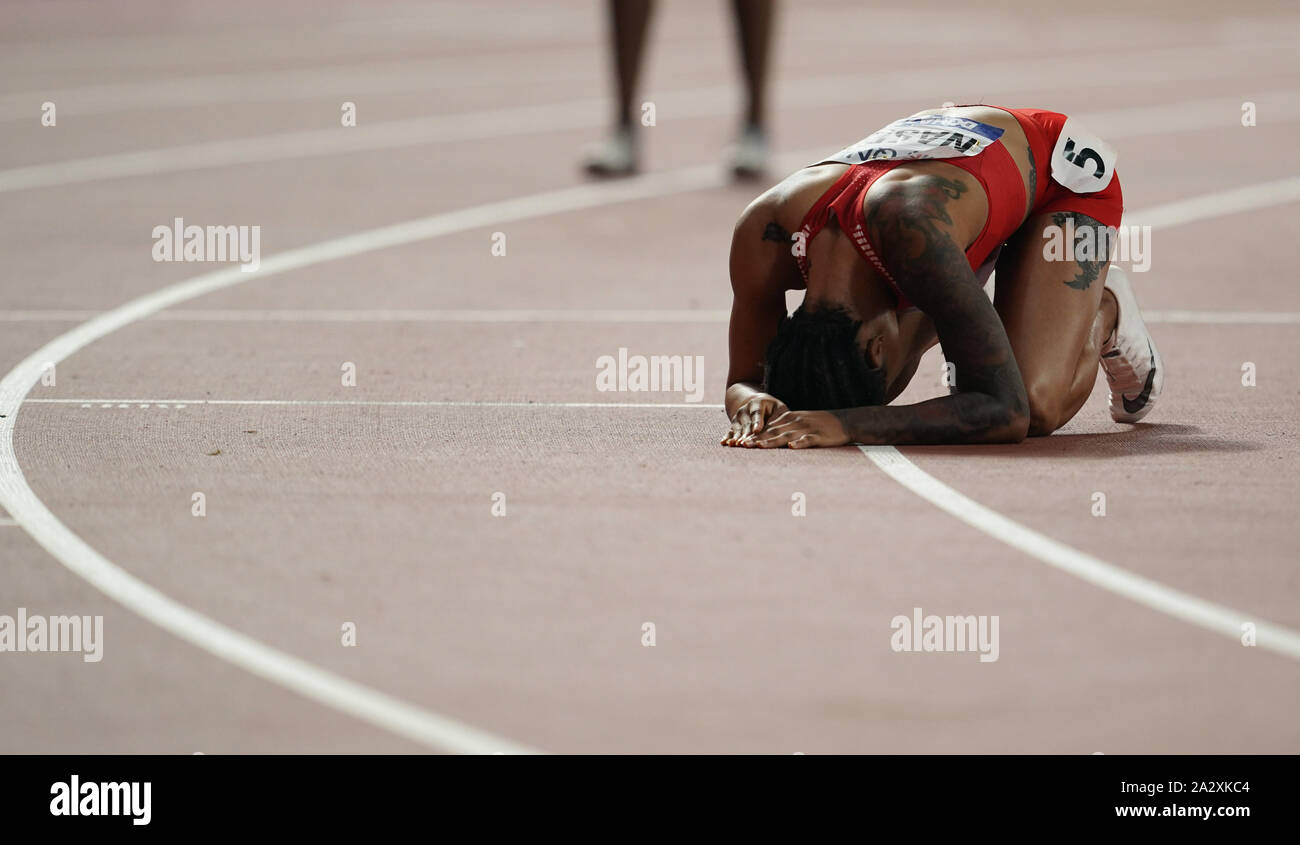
point(434, 730)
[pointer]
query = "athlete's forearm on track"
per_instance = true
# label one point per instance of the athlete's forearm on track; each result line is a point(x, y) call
point(959, 418)
point(914, 231)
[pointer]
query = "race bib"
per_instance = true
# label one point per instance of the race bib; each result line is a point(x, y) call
point(1081, 161)
point(920, 137)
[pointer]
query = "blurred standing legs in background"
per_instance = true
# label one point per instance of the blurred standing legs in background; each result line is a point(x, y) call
point(618, 155)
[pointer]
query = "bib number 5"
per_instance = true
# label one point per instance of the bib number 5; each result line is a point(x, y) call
point(1081, 161)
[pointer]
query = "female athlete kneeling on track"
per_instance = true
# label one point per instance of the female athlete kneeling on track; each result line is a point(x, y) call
point(893, 239)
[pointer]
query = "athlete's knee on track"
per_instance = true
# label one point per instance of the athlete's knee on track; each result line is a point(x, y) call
point(1047, 407)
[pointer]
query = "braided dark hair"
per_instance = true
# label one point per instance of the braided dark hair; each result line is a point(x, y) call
point(815, 363)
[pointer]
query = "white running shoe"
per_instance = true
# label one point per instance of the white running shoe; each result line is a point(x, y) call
point(749, 154)
point(1130, 358)
point(615, 156)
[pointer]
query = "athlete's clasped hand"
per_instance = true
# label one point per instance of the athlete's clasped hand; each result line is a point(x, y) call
point(764, 422)
point(750, 416)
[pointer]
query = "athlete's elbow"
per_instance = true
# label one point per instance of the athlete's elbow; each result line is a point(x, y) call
point(1016, 428)
point(1012, 422)
point(989, 419)
point(997, 421)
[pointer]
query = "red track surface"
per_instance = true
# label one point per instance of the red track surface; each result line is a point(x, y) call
point(772, 631)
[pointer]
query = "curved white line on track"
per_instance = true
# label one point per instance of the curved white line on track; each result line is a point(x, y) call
point(384, 711)
point(1153, 594)
point(419, 725)
point(1157, 596)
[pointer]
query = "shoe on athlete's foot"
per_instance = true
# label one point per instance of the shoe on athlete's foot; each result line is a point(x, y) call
point(748, 156)
point(1129, 357)
point(615, 156)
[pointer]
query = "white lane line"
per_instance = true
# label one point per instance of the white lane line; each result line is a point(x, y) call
point(454, 21)
point(203, 47)
point(381, 710)
point(310, 143)
point(1245, 318)
point(543, 315)
point(467, 315)
point(380, 403)
point(1182, 64)
point(328, 82)
point(1157, 596)
point(1218, 204)
point(6, 522)
point(53, 315)
point(332, 82)
point(1189, 608)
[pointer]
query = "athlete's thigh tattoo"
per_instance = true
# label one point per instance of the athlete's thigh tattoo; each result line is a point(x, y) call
point(1091, 246)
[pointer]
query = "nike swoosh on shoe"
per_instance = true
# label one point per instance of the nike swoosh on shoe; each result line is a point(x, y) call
point(1136, 404)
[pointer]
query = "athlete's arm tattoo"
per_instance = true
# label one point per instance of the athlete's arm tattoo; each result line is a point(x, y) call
point(775, 232)
point(1091, 247)
point(909, 225)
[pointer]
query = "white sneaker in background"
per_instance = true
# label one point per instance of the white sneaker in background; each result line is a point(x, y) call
point(749, 155)
point(617, 155)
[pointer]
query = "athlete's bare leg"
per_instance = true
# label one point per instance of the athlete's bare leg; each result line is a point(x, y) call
point(754, 35)
point(629, 20)
point(1057, 316)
